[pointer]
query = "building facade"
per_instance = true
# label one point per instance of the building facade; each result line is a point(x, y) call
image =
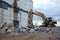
point(6, 11)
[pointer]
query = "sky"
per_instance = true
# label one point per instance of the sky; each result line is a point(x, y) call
point(51, 8)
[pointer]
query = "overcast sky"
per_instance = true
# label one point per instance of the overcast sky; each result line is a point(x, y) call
point(48, 7)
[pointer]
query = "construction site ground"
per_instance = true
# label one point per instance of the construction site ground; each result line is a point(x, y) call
point(21, 36)
point(53, 34)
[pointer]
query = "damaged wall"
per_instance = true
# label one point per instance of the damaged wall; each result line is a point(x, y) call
point(6, 14)
point(25, 5)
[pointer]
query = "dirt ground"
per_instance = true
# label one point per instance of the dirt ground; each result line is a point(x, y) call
point(28, 37)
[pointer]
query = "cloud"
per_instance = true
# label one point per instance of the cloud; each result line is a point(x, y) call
point(48, 7)
point(40, 3)
point(38, 22)
point(58, 23)
point(57, 18)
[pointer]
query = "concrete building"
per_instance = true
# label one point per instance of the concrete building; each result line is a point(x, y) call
point(24, 12)
point(6, 11)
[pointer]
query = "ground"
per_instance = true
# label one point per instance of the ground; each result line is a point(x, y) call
point(42, 36)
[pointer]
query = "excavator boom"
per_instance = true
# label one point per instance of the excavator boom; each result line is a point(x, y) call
point(36, 13)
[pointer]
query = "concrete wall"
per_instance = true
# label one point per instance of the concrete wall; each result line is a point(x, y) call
point(7, 15)
point(1, 15)
point(9, 1)
point(23, 22)
point(25, 5)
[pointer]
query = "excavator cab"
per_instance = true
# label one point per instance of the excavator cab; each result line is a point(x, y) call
point(49, 22)
point(49, 19)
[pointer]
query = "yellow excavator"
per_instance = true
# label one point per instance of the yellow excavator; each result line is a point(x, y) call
point(46, 21)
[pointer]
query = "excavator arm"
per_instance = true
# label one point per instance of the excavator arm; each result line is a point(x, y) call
point(36, 13)
point(40, 14)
